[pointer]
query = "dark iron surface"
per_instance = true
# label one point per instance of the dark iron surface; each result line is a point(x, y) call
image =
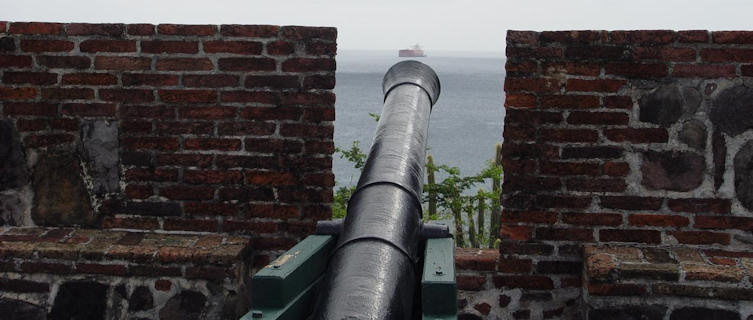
point(373, 271)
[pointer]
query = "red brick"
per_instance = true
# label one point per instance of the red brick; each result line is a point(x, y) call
point(598, 118)
point(618, 102)
point(38, 141)
point(212, 177)
point(665, 54)
point(317, 81)
point(37, 78)
point(570, 101)
point(188, 96)
point(637, 70)
point(210, 81)
point(46, 267)
point(127, 95)
point(534, 52)
point(23, 286)
point(711, 222)
point(642, 135)
point(209, 209)
point(569, 168)
point(625, 235)
point(595, 85)
point(522, 37)
point(718, 206)
point(64, 62)
point(564, 234)
point(576, 37)
point(65, 124)
point(559, 267)
point(254, 31)
point(147, 79)
point(250, 96)
point(108, 46)
point(520, 68)
point(67, 93)
point(184, 64)
point(136, 127)
point(212, 144)
point(306, 131)
point(272, 211)
point(540, 85)
point(280, 48)
point(531, 117)
point(93, 79)
point(514, 265)
point(193, 160)
point(30, 109)
point(164, 46)
point(157, 174)
point(592, 219)
point(732, 37)
point(308, 65)
point(658, 220)
point(524, 282)
point(620, 169)
point(29, 45)
point(308, 98)
point(31, 125)
point(514, 232)
point(308, 33)
point(250, 227)
point(609, 53)
point(616, 289)
point(321, 48)
point(95, 29)
point(701, 237)
point(471, 283)
point(36, 28)
point(520, 100)
point(267, 145)
point(163, 285)
point(89, 109)
point(142, 29)
point(274, 82)
point(643, 37)
point(596, 185)
point(237, 47)
point(191, 225)
point(186, 30)
point(130, 223)
point(152, 112)
point(558, 201)
point(569, 135)
point(151, 143)
point(207, 113)
point(7, 61)
point(319, 179)
point(247, 64)
point(571, 68)
point(704, 70)
point(122, 63)
point(270, 178)
point(187, 193)
point(138, 191)
point(631, 203)
point(727, 55)
point(693, 36)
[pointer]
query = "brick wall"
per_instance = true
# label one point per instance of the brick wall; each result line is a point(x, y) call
point(176, 127)
point(141, 130)
point(620, 138)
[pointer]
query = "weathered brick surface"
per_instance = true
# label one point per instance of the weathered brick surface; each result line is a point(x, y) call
point(587, 113)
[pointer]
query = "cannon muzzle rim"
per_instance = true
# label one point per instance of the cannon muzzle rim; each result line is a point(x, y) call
point(415, 73)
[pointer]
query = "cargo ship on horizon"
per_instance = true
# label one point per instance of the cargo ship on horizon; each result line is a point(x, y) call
point(414, 52)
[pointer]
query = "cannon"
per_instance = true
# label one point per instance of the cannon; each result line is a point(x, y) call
point(381, 262)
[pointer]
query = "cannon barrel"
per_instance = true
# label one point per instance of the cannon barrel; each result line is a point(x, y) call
point(373, 270)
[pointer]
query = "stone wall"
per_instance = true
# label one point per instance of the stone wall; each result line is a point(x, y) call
point(629, 138)
point(163, 129)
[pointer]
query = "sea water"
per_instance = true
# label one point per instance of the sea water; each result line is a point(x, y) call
point(465, 124)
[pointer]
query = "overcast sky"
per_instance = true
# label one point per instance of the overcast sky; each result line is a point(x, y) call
point(457, 25)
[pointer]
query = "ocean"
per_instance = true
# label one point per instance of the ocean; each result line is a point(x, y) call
point(465, 124)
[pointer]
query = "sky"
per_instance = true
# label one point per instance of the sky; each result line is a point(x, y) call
point(441, 25)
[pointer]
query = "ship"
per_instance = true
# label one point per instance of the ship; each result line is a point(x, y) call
point(414, 51)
